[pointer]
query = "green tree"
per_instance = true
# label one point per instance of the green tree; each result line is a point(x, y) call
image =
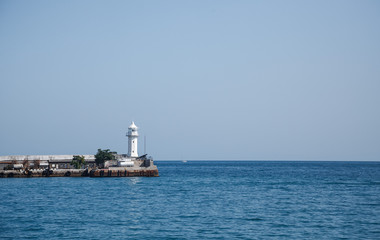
point(78, 161)
point(104, 155)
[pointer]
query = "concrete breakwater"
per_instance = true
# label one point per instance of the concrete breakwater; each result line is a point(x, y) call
point(124, 173)
point(116, 172)
point(61, 166)
point(104, 163)
point(44, 173)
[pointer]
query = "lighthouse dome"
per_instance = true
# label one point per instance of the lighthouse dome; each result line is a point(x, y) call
point(133, 126)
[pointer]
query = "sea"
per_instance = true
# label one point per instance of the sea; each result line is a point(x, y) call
point(200, 200)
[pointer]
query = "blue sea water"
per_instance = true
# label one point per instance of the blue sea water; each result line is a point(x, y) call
point(200, 200)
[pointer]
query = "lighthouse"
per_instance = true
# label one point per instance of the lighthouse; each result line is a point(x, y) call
point(132, 140)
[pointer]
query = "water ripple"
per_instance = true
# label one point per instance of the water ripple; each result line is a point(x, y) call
point(200, 200)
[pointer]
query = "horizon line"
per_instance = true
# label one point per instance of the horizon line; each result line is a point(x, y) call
point(271, 160)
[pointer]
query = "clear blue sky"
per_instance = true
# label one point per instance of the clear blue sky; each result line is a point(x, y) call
point(260, 80)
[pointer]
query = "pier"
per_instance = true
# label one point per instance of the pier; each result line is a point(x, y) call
point(104, 164)
point(121, 172)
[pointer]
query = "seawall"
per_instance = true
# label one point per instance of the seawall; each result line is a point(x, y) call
point(116, 172)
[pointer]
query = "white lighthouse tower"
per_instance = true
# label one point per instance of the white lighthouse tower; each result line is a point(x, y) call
point(132, 140)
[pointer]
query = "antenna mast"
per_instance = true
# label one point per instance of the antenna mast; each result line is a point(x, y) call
point(144, 144)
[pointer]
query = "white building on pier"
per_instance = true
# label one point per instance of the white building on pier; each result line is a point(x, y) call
point(132, 140)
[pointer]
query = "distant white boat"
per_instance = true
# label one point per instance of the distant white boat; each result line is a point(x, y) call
point(184, 161)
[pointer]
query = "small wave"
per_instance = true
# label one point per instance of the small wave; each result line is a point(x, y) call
point(254, 219)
